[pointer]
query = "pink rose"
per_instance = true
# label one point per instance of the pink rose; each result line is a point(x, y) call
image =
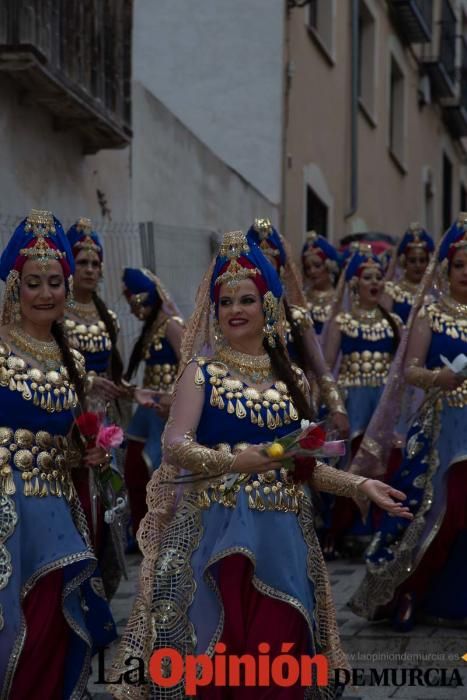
point(109, 436)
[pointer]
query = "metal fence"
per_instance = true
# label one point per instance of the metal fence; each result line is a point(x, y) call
point(180, 256)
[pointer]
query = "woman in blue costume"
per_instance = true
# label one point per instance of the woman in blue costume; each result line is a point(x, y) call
point(232, 555)
point(422, 569)
point(366, 339)
point(91, 326)
point(159, 346)
point(301, 340)
point(53, 611)
point(413, 255)
point(92, 329)
point(321, 265)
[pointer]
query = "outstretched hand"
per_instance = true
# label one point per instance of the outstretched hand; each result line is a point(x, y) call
point(386, 497)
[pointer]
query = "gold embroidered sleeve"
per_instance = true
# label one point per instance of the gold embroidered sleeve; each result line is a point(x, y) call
point(331, 480)
point(330, 394)
point(421, 376)
point(188, 454)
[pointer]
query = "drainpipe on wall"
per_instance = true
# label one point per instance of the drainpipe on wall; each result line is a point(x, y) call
point(354, 112)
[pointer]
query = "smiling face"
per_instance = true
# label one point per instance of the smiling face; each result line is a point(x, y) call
point(370, 286)
point(88, 271)
point(42, 293)
point(240, 315)
point(458, 275)
point(416, 261)
point(317, 272)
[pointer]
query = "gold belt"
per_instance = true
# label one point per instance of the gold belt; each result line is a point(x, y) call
point(160, 377)
point(458, 397)
point(269, 491)
point(40, 457)
point(364, 368)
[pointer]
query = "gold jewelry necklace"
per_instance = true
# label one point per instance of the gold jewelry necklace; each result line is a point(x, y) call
point(366, 314)
point(46, 352)
point(257, 368)
point(85, 311)
point(456, 308)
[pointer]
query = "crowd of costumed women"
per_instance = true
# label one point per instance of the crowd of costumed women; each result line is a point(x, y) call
point(177, 454)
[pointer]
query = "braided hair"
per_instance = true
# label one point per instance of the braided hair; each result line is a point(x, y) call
point(116, 364)
point(282, 369)
point(297, 338)
point(395, 328)
point(137, 352)
point(60, 337)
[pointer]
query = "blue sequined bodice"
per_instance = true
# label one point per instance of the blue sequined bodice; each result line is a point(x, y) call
point(367, 348)
point(236, 413)
point(449, 335)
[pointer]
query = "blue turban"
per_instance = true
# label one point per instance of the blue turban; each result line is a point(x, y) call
point(416, 237)
point(82, 236)
point(40, 236)
point(139, 281)
point(456, 234)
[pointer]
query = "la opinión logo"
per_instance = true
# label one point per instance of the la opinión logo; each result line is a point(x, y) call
point(168, 668)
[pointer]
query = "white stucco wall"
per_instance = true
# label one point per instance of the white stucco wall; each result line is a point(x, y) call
point(188, 192)
point(45, 169)
point(218, 66)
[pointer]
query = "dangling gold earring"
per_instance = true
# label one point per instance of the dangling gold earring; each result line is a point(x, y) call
point(219, 340)
point(70, 299)
point(11, 312)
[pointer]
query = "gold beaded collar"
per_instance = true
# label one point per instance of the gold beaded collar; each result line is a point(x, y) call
point(45, 352)
point(455, 308)
point(256, 368)
point(86, 311)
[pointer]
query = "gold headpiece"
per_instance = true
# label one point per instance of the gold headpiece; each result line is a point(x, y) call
point(311, 237)
point(263, 228)
point(84, 225)
point(234, 245)
point(41, 224)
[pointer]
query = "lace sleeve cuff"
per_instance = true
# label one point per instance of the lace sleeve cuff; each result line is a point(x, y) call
point(331, 480)
point(188, 454)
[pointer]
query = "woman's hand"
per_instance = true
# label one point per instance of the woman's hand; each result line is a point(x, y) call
point(340, 422)
point(253, 460)
point(106, 389)
point(386, 497)
point(146, 397)
point(95, 457)
point(162, 407)
point(446, 379)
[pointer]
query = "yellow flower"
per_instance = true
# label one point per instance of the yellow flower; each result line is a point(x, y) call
point(276, 451)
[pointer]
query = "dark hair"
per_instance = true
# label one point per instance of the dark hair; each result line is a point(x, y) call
point(394, 326)
point(59, 334)
point(282, 369)
point(137, 352)
point(116, 364)
point(69, 361)
point(297, 337)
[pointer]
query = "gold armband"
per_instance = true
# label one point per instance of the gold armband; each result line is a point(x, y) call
point(330, 394)
point(336, 481)
point(198, 459)
point(421, 376)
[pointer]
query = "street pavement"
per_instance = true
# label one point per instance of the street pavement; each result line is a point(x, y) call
point(368, 645)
